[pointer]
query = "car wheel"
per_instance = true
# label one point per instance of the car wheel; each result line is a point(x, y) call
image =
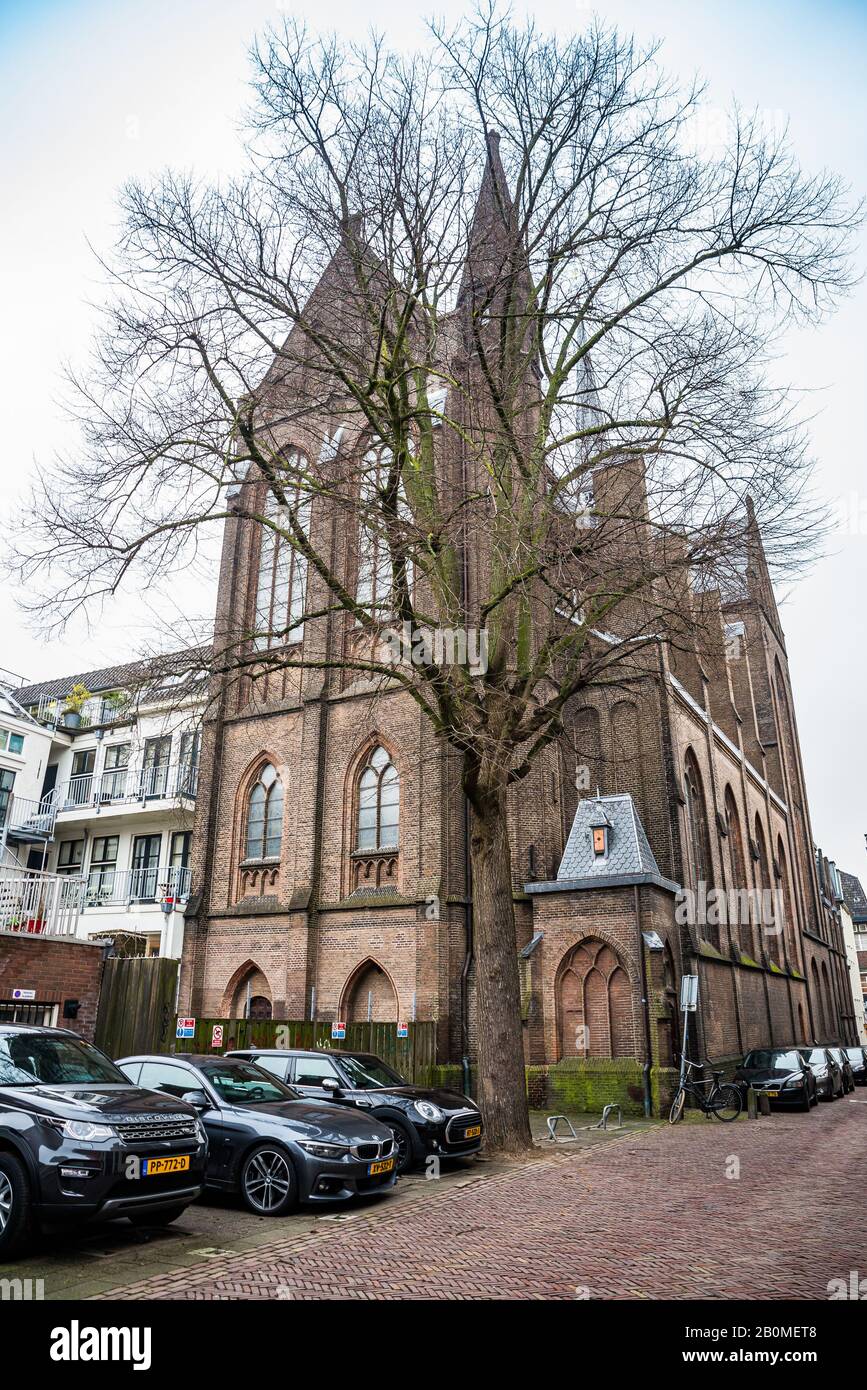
point(158, 1218)
point(404, 1145)
point(269, 1186)
point(15, 1215)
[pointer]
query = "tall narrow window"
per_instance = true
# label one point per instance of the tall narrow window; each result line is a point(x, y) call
point(265, 816)
point(282, 581)
point(696, 814)
point(737, 862)
point(378, 803)
point(374, 585)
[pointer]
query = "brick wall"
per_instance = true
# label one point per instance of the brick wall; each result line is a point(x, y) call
point(56, 970)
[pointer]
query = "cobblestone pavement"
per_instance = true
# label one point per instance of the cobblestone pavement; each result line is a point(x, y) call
point(654, 1214)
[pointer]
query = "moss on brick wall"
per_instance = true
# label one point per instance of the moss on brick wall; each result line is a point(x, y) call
point(583, 1084)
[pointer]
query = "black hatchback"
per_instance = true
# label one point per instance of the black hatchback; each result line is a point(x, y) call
point(266, 1141)
point(78, 1142)
point(782, 1074)
point(425, 1120)
point(858, 1062)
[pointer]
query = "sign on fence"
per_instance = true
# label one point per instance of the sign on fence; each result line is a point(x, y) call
point(402, 1030)
point(338, 1030)
point(217, 1035)
point(186, 1028)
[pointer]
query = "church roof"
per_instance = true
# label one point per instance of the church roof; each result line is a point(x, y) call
point(854, 896)
point(629, 849)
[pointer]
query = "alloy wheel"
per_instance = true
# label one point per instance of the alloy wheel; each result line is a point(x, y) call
point(5, 1201)
point(268, 1180)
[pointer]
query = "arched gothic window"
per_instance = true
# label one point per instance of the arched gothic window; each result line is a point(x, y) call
point(282, 577)
point(696, 815)
point(737, 860)
point(265, 816)
point(378, 814)
point(380, 543)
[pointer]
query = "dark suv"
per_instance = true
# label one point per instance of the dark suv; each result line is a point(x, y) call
point(424, 1120)
point(78, 1142)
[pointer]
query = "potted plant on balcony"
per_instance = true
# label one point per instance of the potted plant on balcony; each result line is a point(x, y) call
point(73, 705)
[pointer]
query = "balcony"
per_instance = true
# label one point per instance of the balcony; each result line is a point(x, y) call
point(39, 904)
point(95, 793)
point(30, 821)
point(109, 887)
point(98, 710)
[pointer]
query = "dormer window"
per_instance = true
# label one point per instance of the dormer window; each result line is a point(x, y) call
point(599, 836)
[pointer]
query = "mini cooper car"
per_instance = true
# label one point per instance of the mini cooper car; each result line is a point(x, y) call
point(79, 1142)
point(781, 1073)
point(858, 1062)
point(267, 1142)
point(827, 1071)
point(424, 1120)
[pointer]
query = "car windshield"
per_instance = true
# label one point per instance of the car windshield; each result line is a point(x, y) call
point(34, 1059)
point(816, 1055)
point(855, 1054)
point(242, 1083)
point(366, 1073)
point(773, 1061)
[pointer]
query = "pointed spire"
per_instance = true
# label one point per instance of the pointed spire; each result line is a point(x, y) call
point(491, 244)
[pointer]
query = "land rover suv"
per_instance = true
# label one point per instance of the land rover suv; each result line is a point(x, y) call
point(79, 1143)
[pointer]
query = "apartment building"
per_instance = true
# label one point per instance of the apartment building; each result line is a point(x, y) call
point(97, 818)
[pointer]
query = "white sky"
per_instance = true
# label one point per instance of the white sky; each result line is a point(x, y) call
point(92, 93)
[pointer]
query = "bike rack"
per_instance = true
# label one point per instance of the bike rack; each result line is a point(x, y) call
point(553, 1121)
point(603, 1123)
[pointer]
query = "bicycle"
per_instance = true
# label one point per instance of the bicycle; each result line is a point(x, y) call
point(722, 1101)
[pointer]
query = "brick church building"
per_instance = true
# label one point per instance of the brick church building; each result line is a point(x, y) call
point(330, 844)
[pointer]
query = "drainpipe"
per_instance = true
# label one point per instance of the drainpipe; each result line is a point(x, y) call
point(645, 1005)
point(468, 880)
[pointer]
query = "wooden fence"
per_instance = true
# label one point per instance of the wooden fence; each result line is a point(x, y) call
point(413, 1056)
point(137, 1005)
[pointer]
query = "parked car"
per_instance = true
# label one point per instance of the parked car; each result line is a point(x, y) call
point(858, 1062)
point(79, 1142)
point(424, 1120)
point(826, 1069)
point(841, 1057)
point(781, 1073)
point(267, 1142)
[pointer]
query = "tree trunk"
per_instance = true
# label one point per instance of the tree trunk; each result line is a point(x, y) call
point(501, 1077)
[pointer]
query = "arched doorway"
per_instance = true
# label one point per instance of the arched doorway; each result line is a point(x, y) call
point(594, 1003)
point(369, 996)
point(248, 994)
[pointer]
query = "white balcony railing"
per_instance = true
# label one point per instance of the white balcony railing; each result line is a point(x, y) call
point(110, 887)
point(26, 819)
point(39, 904)
point(99, 709)
point(119, 786)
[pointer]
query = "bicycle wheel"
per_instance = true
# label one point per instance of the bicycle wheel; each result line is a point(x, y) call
point(677, 1104)
point(726, 1104)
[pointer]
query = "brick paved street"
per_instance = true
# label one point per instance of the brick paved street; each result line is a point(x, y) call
point(649, 1215)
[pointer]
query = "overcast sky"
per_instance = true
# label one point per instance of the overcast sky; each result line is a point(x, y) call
point(92, 92)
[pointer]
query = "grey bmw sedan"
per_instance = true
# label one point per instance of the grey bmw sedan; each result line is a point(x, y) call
point(265, 1141)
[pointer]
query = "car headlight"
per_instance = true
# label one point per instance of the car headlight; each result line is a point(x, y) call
point(323, 1150)
point(427, 1110)
point(201, 1132)
point(82, 1130)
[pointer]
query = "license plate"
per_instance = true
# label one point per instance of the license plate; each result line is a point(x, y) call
point(473, 1133)
point(385, 1166)
point(152, 1167)
point(772, 1095)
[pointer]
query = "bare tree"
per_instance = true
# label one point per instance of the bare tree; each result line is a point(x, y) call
point(491, 307)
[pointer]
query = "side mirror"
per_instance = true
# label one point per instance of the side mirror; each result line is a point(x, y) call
point(330, 1083)
point(197, 1099)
